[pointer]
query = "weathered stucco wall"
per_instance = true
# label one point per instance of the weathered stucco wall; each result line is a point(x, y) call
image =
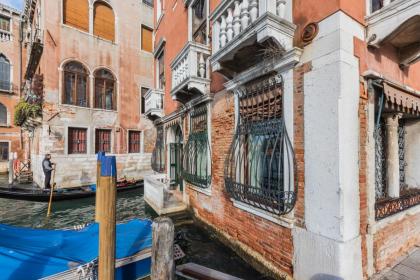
point(77, 170)
point(10, 49)
point(132, 68)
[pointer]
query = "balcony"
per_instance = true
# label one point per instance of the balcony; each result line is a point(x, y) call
point(5, 36)
point(247, 31)
point(154, 103)
point(397, 23)
point(35, 46)
point(190, 72)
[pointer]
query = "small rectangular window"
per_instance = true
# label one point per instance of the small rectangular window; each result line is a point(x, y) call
point(148, 3)
point(103, 141)
point(4, 23)
point(77, 140)
point(199, 21)
point(146, 39)
point(134, 141)
point(4, 151)
point(143, 99)
point(161, 68)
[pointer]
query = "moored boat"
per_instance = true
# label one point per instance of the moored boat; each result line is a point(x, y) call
point(43, 195)
point(72, 254)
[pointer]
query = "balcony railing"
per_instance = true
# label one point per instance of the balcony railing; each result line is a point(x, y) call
point(154, 103)
point(5, 36)
point(190, 71)
point(238, 24)
point(35, 45)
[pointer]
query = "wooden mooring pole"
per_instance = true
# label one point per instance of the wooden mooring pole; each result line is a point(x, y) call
point(163, 267)
point(106, 193)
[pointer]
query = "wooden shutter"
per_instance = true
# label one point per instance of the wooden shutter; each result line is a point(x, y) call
point(103, 140)
point(4, 151)
point(146, 39)
point(76, 14)
point(134, 142)
point(77, 141)
point(103, 21)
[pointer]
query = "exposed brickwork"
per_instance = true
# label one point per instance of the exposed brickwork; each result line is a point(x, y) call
point(363, 188)
point(395, 240)
point(299, 144)
point(269, 243)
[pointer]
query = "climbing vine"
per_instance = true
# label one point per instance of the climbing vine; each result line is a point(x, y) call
point(25, 110)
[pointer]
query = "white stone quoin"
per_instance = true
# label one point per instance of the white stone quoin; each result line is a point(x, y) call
point(330, 245)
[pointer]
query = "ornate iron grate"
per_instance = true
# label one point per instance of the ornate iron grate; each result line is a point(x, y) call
point(388, 207)
point(401, 153)
point(380, 161)
point(196, 161)
point(158, 155)
point(260, 168)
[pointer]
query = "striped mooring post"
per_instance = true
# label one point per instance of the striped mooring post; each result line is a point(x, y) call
point(106, 193)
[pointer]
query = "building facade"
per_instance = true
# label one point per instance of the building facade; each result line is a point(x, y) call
point(89, 66)
point(290, 127)
point(10, 81)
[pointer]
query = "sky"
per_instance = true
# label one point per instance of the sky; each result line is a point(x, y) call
point(17, 4)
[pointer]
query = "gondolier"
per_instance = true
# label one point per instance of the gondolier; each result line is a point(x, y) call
point(47, 167)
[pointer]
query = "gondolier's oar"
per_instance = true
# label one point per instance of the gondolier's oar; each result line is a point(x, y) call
point(51, 193)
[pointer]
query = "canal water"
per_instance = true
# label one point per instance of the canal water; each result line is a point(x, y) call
point(198, 245)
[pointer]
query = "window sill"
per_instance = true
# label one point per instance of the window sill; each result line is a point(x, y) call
point(284, 221)
point(6, 91)
point(378, 225)
point(206, 191)
point(146, 53)
point(88, 108)
point(5, 125)
point(89, 34)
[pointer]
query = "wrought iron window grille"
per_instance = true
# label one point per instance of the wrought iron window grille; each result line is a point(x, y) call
point(260, 169)
point(158, 154)
point(380, 152)
point(196, 159)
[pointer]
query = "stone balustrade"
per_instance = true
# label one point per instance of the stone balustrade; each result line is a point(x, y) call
point(154, 102)
point(5, 36)
point(234, 17)
point(192, 62)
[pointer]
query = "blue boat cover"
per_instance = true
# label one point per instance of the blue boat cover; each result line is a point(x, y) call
point(35, 253)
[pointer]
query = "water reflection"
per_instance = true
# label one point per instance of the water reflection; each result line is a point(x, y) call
point(70, 213)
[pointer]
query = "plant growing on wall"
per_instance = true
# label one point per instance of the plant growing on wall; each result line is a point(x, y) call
point(25, 110)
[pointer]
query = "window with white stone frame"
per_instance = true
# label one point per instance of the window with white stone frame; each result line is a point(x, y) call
point(260, 166)
point(396, 134)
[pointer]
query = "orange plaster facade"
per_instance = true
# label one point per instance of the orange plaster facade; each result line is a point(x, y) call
point(9, 48)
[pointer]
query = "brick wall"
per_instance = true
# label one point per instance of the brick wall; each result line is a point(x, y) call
point(363, 188)
point(299, 144)
point(396, 239)
point(264, 243)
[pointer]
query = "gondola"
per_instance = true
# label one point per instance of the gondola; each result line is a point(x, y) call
point(42, 195)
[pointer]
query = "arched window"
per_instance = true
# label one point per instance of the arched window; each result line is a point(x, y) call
point(76, 14)
point(105, 93)
point(75, 84)
point(3, 115)
point(4, 73)
point(103, 21)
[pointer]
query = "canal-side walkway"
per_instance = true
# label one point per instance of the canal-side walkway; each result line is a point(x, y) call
point(407, 269)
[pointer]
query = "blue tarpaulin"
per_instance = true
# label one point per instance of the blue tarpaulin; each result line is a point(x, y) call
point(35, 253)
